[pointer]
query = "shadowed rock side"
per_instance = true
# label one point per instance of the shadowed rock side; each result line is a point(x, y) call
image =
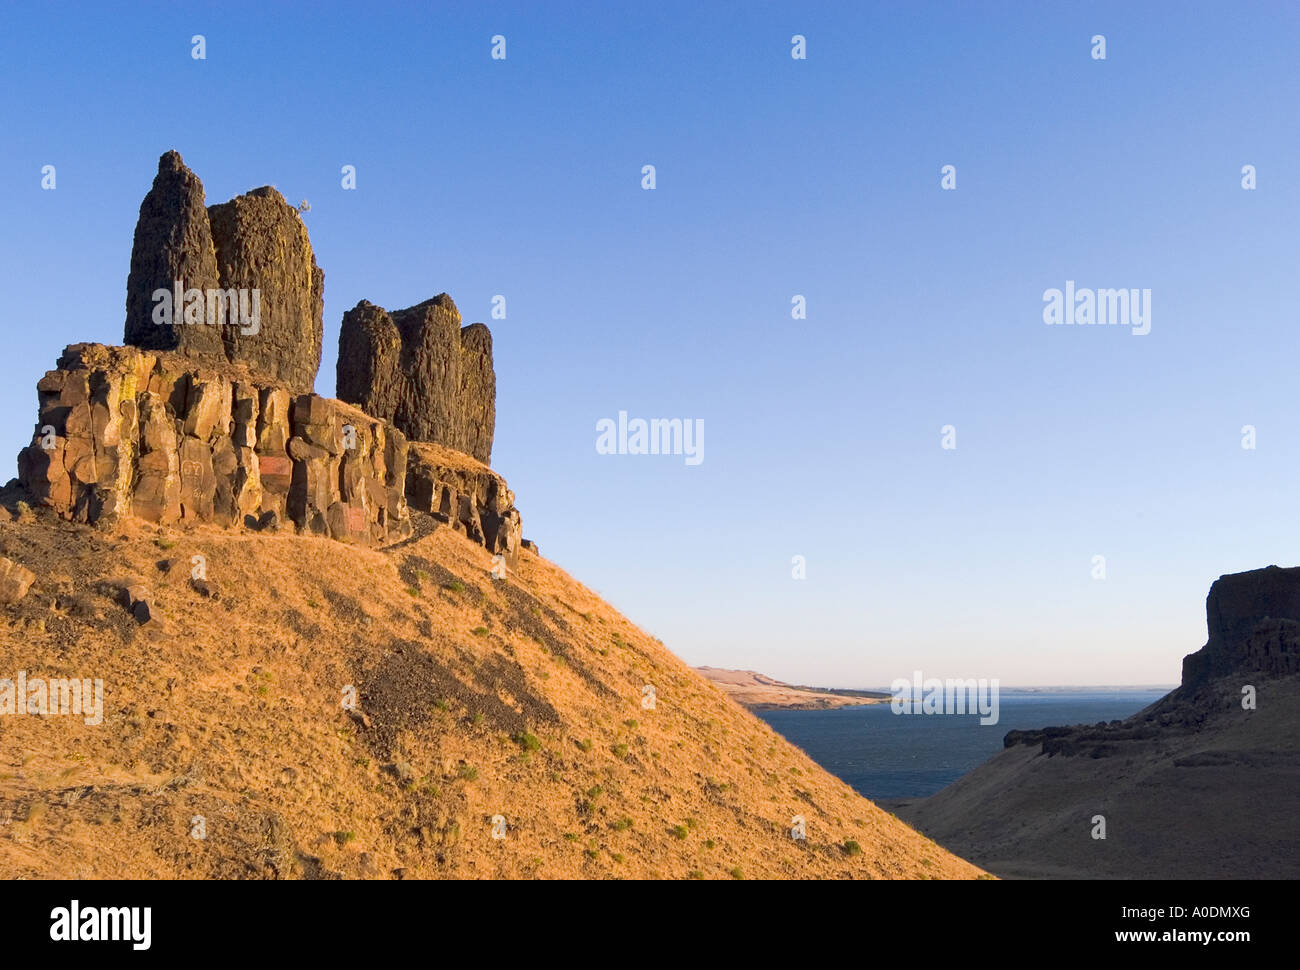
point(254, 242)
point(419, 369)
point(261, 242)
point(1195, 786)
point(173, 241)
point(1253, 620)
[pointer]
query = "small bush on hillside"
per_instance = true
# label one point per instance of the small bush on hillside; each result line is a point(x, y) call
point(529, 742)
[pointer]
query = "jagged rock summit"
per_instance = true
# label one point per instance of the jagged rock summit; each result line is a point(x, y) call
point(421, 370)
point(207, 415)
point(240, 279)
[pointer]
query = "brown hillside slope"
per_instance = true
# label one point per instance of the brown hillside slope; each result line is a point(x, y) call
point(1213, 797)
point(519, 698)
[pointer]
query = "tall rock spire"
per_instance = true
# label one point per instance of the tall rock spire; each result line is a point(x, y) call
point(421, 370)
point(261, 294)
point(173, 241)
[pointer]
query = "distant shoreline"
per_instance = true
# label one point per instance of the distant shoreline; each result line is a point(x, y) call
point(758, 692)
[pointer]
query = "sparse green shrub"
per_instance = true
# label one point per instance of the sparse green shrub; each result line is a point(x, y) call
point(529, 742)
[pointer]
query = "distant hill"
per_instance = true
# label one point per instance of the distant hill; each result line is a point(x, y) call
point(758, 692)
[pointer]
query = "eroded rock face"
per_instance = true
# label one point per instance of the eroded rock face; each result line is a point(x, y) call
point(15, 580)
point(262, 243)
point(173, 241)
point(421, 370)
point(465, 494)
point(1253, 619)
point(250, 259)
point(168, 439)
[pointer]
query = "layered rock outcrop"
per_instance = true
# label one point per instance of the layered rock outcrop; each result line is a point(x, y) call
point(421, 370)
point(1204, 783)
point(161, 437)
point(207, 416)
point(465, 494)
point(249, 287)
point(1253, 621)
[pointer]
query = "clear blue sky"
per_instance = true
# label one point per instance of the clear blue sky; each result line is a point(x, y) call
point(776, 177)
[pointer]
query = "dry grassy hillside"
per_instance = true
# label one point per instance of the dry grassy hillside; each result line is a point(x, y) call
point(1210, 791)
point(519, 698)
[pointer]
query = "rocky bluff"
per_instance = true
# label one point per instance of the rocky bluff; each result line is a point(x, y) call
point(155, 435)
point(209, 416)
point(420, 369)
point(255, 242)
point(1253, 622)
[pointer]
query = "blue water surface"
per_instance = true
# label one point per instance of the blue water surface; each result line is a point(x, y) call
point(887, 755)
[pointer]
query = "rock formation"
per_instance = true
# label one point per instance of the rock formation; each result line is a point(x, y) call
point(261, 242)
point(15, 580)
point(421, 370)
point(173, 241)
point(1204, 783)
point(167, 439)
point(1253, 625)
point(1253, 622)
point(251, 254)
point(207, 416)
point(465, 494)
